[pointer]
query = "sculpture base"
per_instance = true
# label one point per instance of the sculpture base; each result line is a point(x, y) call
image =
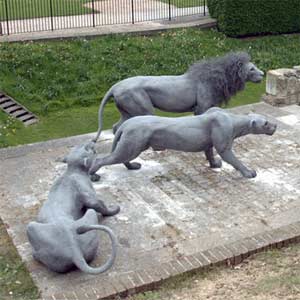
point(176, 215)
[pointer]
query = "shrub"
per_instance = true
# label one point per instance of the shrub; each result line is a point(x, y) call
point(213, 7)
point(254, 17)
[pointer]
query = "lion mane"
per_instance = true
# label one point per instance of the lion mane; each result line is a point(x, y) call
point(224, 76)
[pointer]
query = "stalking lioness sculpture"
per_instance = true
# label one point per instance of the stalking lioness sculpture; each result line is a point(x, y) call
point(216, 128)
point(207, 83)
point(64, 234)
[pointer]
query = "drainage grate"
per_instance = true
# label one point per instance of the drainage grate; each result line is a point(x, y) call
point(16, 110)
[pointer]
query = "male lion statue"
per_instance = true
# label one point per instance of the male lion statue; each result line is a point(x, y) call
point(64, 235)
point(215, 128)
point(205, 84)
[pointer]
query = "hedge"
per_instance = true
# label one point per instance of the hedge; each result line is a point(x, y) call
point(253, 17)
point(213, 6)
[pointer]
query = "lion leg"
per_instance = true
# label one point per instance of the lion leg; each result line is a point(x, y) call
point(128, 165)
point(132, 165)
point(123, 152)
point(230, 158)
point(124, 116)
point(213, 162)
point(222, 139)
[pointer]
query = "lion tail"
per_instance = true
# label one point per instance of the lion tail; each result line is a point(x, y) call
point(100, 113)
point(80, 261)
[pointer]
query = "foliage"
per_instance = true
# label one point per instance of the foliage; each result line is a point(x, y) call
point(24, 9)
point(63, 81)
point(184, 3)
point(53, 76)
point(8, 127)
point(15, 282)
point(213, 7)
point(253, 17)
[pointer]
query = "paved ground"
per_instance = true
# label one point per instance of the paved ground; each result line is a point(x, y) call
point(177, 214)
point(108, 12)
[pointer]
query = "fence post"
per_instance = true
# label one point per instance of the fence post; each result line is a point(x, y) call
point(204, 7)
point(51, 14)
point(132, 11)
point(169, 10)
point(93, 8)
point(6, 13)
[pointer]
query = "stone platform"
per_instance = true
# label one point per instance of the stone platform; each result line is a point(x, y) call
point(177, 214)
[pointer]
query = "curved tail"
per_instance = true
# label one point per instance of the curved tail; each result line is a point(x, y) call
point(100, 113)
point(78, 258)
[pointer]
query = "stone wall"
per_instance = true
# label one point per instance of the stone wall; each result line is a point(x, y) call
point(283, 87)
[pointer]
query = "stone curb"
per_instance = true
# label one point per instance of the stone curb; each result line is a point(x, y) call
point(151, 278)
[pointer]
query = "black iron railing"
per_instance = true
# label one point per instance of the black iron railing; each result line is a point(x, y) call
point(20, 16)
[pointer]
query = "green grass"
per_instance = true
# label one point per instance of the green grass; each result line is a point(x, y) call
point(24, 9)
point(80, 120)
point(63, 81)
point(15, 282)
point(185, 3)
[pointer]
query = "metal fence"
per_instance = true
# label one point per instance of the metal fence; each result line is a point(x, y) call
point(20, 16)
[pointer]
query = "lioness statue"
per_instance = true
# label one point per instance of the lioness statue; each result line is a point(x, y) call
point(64, 235)
point(206, 84)
point(216, 128)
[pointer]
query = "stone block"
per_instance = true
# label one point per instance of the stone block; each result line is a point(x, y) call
point(283, 87)
point(276, 83)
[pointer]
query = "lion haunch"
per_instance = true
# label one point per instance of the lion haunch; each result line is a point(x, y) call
point(216, 128)
point(64, 235)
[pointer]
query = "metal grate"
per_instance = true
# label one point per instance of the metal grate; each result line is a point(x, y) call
point(16, 110)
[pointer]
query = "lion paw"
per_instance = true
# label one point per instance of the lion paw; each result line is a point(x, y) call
point(217, 163)
point(95, 177)
point(133, 166)
point(249, 173)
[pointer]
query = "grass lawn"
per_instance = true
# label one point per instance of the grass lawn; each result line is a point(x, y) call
point(63, 81)
point(23, 9)
point(80, 120)
point(185, 3)
point(15, 282)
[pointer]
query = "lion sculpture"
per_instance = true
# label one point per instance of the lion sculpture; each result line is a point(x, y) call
point(64, 235)
point(206, 84)
point(216, 128)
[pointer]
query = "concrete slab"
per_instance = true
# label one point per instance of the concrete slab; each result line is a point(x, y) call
point(293, 118)
point(177, 214)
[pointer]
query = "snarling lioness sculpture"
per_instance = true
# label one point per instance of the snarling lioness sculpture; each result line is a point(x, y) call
point(216, 128)
point(206, 84)
point(64, 235)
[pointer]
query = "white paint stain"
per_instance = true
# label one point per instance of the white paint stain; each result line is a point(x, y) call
point(275, 179)
point(291, 120)
point(111, 175)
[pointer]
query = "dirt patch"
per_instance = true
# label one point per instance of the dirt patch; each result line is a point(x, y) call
point(267, 276)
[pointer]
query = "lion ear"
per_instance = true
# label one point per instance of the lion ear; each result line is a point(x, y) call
point(252, 123)
point(85, 162)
